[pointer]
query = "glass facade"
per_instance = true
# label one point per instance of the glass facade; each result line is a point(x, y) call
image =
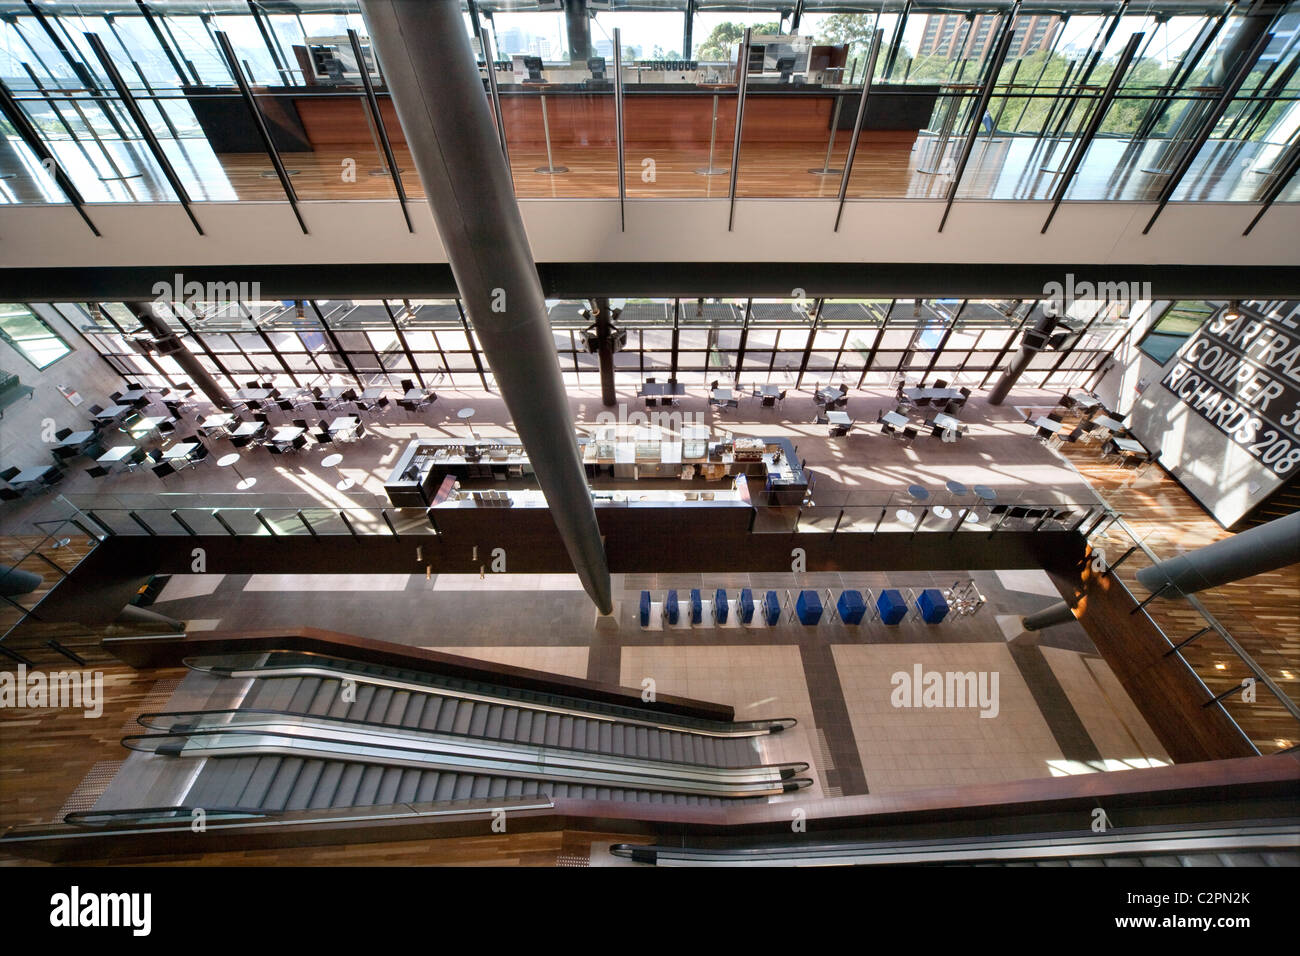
point(1203, 110)
point(794, 343)
point(30, 336)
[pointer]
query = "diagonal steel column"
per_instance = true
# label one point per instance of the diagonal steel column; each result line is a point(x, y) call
point(435, 85)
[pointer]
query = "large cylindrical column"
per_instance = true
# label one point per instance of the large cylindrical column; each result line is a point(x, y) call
point(424, 51)
point(1034, 341)
point(578, 26)
point(1058, 613)
point(171, 346)
point(1266, 547)
point(605, 350)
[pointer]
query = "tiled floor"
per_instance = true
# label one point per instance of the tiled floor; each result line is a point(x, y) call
point(1059, 708)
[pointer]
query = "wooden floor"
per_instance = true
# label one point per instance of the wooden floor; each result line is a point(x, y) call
point(37, 554)
point(1002, 168)
point(1261, 612)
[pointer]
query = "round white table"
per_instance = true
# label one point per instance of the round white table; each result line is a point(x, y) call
point(335, 461)
point(465, 414)
point(228, 461)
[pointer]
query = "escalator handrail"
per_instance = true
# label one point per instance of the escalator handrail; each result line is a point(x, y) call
point(80, 818)
point(146, 720)
point(586, 709)
point(392, 754)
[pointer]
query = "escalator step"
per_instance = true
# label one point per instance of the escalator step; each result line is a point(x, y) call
point(509, 723)
point(346, 793)
point(283, 694)
point(327, 692)
point(388, 784)
point(447, 716)
point(447, 786)
point(552, 735)
point(579, 737)
point(464, 787)
point(524, 726)
point(397, 708)
point(642, 746)
point(606, 732)
point(278, 793)
point(259, 782)
point(365, 693)
point(432, 708)
point(379, 705)
point(428, 786)
point(495, 718)
point(676, 751)
point(497, 788)
point(415, 704)
point(369, 786)
point(338, 706)
point(479, 720)
point(711, 751)
point(305, 785)
point(465, 716)
point(303, 696)
point(514, 787)
point(564, 734)
point(327, 785)
point(406, 790)
point(652, 744)
point(618, 744)
point(538, 732)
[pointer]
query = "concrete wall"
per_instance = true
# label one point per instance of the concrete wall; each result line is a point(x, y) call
point(23, 430)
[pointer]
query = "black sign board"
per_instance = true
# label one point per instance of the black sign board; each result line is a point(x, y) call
point(1242, 375)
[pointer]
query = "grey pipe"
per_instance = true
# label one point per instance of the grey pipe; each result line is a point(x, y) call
point(1266, 547)
point(438, 93)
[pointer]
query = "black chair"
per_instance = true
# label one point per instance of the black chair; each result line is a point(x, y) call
point(63, 454)
point(163, 469)
point(965, 392)
point(8, 494)
point(97, 471)
point(166, 428)
point(654, 402)
point(940, 383)
point(115, 396)
point(821, 420)
point(173, 408)
point(9, 473)
point(650, 381)
point(381, 405)
point(361, 430)
point(714, 384)
point(407, 385)
point(301, 423)
point(274, 449)
point(922, 402)
point(910, 433)
point(299, 443)
point(262, 417)
point(96, 409)
point(769, 401)
point(888, 429)
point(935, 431)
point(62, 433)
point(323, 437)
point(199, 453)
point(252, 385)
point(285, 404)
point(320, 406)
point(241, 441)
point(136, 458)
point(315, 390)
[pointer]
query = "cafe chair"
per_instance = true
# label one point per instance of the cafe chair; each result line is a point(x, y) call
point(407, 385)
point(941, 383)
point(9, 474)
point(97, 471)
point(910, 434)
point(163, 469)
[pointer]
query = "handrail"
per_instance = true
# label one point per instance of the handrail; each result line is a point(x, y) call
point(150, 722)
point(446, 686)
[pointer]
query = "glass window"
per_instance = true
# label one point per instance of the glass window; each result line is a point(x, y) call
point(28, 333)
point(1172, 329)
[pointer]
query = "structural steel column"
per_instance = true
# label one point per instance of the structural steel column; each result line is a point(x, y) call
point(1266, 547)
point(579, 28)
point(1031, 344)
point(174, 349)
point(1058, 613)
point(438, 94)
point(605, 346)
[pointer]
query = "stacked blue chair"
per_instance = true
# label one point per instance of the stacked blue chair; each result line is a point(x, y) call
point(932, 606)
point(851, 607)
point(697, 612)
point(808, 607)
point(746, 606)
point(892, 607)
point(670, 607)
point(720, 606)
point(645, 608)
point(771, 609)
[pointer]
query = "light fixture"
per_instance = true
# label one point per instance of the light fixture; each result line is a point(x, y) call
point(1220, 666)
point(1233, 312)
point(1282, 744)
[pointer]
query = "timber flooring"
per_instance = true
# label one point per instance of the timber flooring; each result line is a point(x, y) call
point(1261, 612)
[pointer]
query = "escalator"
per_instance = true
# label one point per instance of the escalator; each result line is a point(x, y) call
point(1258, 843)
point(317, 731)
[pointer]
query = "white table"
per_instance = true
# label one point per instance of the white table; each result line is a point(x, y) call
point(947, 421)
point(1105, 421)
point(1049, 424)
point(145, 425)
point(133, 395)
point(465, 414)
point(182, 450)
point(28, 475)
point(344, 424)
point(770, 391)
point(838, 418)
point(286, 433)
point(217, 420)
point(76, 440)
point(893, 418)
point(248, 429)
point(228, 461)
point(722, 395)
point(113, 411)
point(1129, 445)
point(116, 454)
point(253, 394)
point(335, 461)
